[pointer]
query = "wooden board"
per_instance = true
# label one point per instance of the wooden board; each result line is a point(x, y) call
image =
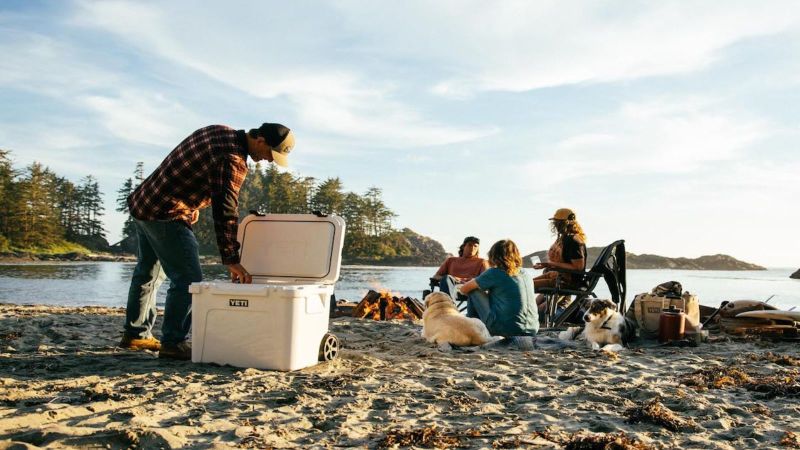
point(771, 315)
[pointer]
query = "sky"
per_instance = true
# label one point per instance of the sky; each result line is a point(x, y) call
point(673, 125)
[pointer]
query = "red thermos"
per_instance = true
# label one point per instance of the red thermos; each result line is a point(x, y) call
point(671, 324)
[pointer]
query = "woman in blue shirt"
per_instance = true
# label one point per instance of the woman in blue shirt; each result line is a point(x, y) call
point(502, 297)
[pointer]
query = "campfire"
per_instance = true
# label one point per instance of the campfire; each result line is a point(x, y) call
point(385, 306)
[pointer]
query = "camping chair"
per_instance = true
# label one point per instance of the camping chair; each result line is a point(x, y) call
point(609, 265)
point(460, 299)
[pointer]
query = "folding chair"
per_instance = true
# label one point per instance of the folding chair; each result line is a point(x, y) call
point(460, 299)
point(609, 265)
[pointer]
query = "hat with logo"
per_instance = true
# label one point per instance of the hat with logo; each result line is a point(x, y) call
point(563, 214)
point(280, 140)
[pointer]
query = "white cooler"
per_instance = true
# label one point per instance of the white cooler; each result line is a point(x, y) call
point(280, 321)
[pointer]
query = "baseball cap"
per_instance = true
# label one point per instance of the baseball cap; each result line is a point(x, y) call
point(563, 214)
point(280, 140)
point(280, 153)
point(471, 239)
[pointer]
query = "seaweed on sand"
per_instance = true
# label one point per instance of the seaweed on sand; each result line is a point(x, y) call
point(778, 384)
point(791, 440)
point(716, 378)
point(609, 441)
point(781, 360)
point(653, 411)
point(575, 441)
point(427, 437)
point(786, 384)
point(10, 336)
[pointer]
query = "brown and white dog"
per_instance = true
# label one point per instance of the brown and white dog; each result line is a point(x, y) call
point(605, 329)
point(444, 326)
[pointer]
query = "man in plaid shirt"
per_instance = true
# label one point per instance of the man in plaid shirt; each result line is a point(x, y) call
point(207, 168)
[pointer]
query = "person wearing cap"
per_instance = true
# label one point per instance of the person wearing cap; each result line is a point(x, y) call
point(207, 169)
point(567, 252)
point(459, 269)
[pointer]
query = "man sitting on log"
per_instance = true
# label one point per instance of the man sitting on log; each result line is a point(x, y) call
point(460, 269)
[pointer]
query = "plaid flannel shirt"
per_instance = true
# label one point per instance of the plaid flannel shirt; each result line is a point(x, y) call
point(208, 167)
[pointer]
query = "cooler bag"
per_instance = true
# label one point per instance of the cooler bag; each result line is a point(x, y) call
point(646, 310)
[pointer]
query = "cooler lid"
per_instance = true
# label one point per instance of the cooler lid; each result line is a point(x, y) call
point(292, 247)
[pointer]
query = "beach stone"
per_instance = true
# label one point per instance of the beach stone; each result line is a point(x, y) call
point(795, 275)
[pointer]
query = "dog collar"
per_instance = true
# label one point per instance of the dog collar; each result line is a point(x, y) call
point(603, 326)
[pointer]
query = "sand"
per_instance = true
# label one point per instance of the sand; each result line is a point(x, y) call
point(64, 383)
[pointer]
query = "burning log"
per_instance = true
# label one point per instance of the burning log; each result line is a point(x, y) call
point(385, 306)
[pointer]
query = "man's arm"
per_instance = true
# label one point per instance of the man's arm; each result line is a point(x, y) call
point(225, 186)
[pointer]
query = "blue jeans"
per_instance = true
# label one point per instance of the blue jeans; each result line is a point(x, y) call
point(166, 249)
point(478, 307)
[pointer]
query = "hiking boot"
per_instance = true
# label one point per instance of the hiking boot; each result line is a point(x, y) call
point(131, 343)
point(181, 351)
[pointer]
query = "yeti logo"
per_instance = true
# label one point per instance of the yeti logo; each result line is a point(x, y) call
point(239, 302)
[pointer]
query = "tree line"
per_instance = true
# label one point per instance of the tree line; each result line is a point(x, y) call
point(41, 211)
point(369, 235)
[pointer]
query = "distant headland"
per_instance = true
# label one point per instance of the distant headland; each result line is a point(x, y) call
point(646, 261)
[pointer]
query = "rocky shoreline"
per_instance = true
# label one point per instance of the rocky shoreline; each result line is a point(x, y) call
point(634, 262)
point(27, 257)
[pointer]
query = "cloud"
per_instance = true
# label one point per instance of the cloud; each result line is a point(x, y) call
point(659, 136)
point(83, 83)
point(521, 45)
point(143, 117)
point(47, 66)
point(329, 95)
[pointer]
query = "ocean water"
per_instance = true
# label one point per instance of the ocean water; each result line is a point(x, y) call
point(106, 283)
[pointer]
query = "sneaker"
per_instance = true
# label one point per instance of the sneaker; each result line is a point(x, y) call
point(130, 343)
point(181, 351)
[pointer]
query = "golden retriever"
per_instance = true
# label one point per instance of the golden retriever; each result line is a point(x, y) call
point(444, 326)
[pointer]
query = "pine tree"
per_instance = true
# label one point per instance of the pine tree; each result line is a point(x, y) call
point(91, 207)
point(252, 192)
point(328, 197)
point(39, 219)
point(8, 203)
point(377, 217)
point(67, 194)
point(129, 243)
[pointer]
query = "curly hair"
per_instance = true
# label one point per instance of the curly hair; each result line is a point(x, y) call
point(504, 255)
point(566, 227)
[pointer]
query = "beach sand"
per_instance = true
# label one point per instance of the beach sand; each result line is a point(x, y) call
point(64, 383)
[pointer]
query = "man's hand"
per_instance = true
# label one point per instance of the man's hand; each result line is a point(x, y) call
point(239, 274)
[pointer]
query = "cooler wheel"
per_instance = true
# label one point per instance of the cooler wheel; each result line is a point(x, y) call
point(329, 348)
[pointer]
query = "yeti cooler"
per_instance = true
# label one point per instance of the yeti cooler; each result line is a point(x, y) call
point(279, 322)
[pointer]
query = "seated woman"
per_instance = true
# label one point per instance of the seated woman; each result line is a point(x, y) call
point(502, 297)
point(462, 268)
point(567, 252)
